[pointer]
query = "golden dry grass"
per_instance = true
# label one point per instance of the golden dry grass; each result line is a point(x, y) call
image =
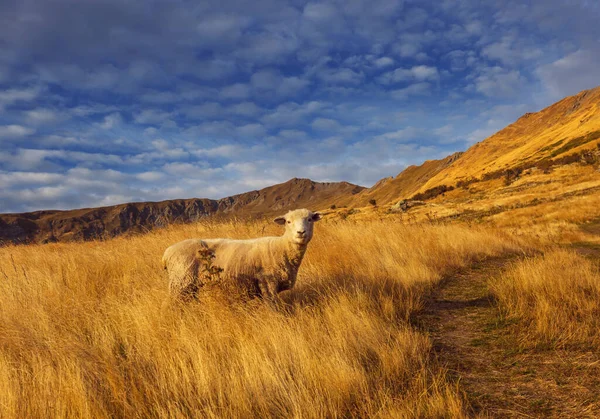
point(86, 329)
point(555, 298)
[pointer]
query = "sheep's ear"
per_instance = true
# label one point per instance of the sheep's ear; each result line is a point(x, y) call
point(280, 220)
point(316, 216)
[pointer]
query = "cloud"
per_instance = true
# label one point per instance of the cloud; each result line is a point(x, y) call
point(208, 110)
point(570, 74)
point(15, 95)
point(111, 121)
point(14, 131)
point(152, 117)
point(251, 130)
point(41, 116)
point(325, 124)
point(417, 89)
point(271, 81)
point(341, 76)
point(498, 82)
point(292, 113)
point(226, 150)
point(319, 12)
point(416, 73)
point(152, 176)
point(383, 62)
point(247, 109)
point(236, 91)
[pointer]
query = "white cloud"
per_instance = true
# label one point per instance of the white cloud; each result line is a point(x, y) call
point(15, 131)
point(111, 121)
point(226, 150)
point(209, 110)
point(511, 51)
point(222, 28)
point(498, 82)
point(158, 97)
point(151, 176)
point(341, 76)
point(325, 124)
point(383, 62)
point(291, 113)
point(273, 81)
point(8, 179)
point(40, 116)
point(11, 96)
point(320, 12)
point(152, 117)
point(247, 109)
point(417, 89)
point(416, 73)
point(235, 91)
point(251, 130)
point(572, 73)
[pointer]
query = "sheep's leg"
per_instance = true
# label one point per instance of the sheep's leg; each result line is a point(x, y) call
point(268, 290)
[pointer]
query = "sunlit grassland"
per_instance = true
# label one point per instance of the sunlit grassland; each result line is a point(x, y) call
point(555, 297)
point(87, 329)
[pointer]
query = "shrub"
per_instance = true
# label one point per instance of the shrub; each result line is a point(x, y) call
point(432, 192)
point(511, 175)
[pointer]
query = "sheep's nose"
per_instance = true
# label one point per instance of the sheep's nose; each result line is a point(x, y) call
point(301, 232)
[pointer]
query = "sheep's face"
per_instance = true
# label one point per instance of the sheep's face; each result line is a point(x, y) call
point(299, 224)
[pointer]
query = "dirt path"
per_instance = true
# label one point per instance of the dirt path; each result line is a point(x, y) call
point(481, 353)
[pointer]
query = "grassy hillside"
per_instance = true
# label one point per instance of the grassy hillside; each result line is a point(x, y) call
point(406, 184)
point(566, 127)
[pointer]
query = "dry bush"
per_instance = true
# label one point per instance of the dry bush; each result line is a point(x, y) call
point(556, 297)
point(86, 329)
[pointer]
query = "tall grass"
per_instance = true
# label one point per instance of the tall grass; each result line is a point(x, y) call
point(556, 297)
point(86, 330)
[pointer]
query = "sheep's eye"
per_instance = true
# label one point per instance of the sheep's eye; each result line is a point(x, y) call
point(309, 220)
point(289, 222)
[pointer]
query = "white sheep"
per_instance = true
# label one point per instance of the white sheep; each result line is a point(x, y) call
point(257, 267)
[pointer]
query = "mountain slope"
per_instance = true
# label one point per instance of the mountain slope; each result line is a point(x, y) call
point(405, 184)
point(566, 127)
point(89, 223)
point(562, 129)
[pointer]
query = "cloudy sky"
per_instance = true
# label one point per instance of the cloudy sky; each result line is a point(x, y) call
point(106, 101)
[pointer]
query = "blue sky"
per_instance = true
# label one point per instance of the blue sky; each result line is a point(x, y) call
point(104, 102)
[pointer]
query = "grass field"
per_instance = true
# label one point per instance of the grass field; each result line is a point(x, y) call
point(555, 297)
point(87, 329)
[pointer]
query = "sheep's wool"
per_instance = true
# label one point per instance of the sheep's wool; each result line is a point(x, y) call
point(257, 267)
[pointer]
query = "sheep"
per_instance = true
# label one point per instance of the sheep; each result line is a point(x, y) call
point(260, 267)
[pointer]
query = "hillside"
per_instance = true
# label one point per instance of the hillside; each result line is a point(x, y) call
point(554, 136)
point(562, 129)
point(89, 223)
point(405, 184)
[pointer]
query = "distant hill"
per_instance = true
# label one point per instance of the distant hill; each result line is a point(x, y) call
point(90, 223)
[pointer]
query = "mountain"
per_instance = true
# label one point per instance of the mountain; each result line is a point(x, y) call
point(90, 223)
point(407, 183)
point(563, 129)
point(557, 134)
